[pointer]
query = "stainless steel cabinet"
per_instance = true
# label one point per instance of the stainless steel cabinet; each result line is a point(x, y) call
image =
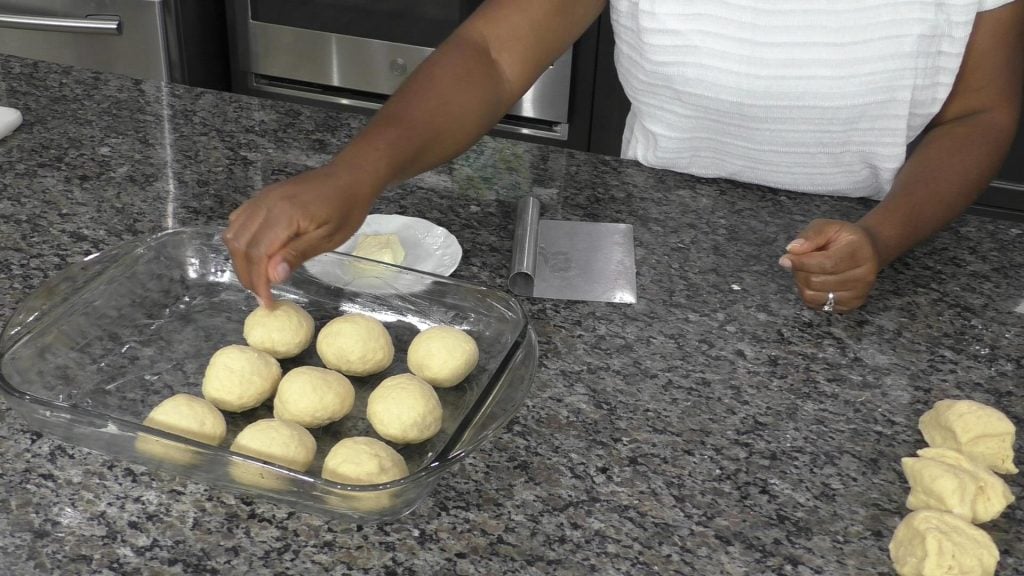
point(170, 40)
point(1005, 197)
point(355, 53)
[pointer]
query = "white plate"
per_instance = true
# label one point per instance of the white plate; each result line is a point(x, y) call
point(10, 119)
point(428, 247)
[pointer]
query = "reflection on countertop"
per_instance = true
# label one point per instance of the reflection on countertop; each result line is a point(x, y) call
point(715, 427)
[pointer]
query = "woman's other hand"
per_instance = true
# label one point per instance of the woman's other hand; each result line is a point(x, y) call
point(833, 256)
point(289, 222)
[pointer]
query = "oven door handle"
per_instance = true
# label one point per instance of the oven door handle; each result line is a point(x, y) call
point(99, 24)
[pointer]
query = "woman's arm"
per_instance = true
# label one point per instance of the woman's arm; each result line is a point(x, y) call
point(453, 98)
point(959, 155)
point(966, 144)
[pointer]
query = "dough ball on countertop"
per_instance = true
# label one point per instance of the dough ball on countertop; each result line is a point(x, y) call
point(356, 345)
point(944, 479)
point(185, 415)
point(443, 356)
point(364, 460)
point(239, 378)
point(283, 331)
point(404, 409)
point(380, 247)
point(934, 543)
point(277, 441)
point(980, 432)
point(313, 397)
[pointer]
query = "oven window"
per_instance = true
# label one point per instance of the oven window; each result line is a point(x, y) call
point(415, 22)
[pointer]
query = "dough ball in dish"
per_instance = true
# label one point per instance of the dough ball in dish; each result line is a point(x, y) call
point(277, 441)
point(166, 450)
point(934, 543)
point(189, 416)
point(313, 397)
point(363, 460)
point(239, 378)
point(980, 432)
point(253, 474)
point(375, 502)
point(283, 331)
point(356, 345)
point(380, 247)
point(443, 356)
point(404, 409)
point(944, 479)
point(185, 415)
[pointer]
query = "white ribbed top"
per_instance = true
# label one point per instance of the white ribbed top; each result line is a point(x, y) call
point(817, 96)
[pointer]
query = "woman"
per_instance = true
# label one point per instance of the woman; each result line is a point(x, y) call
point(816, 96)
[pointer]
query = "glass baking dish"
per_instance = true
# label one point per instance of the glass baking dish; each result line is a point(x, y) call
point(87, 355)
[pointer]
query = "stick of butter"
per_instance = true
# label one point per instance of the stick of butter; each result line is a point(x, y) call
point(380, 247)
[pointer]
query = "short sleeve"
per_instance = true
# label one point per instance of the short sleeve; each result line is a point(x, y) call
point(984, 5)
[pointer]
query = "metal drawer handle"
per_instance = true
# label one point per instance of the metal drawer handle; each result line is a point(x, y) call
point(87, 25)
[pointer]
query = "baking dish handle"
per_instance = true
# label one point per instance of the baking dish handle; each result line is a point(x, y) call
point(56, 291)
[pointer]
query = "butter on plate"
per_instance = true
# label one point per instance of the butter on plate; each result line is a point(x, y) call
point(381, 247)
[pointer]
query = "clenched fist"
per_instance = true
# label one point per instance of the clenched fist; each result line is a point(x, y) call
point(833, 256)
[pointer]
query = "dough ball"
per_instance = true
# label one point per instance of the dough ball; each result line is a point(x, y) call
point(239, 378)
point(283, 331)
point(277, 441)
point(980, 432)
point(257, 476)
point(443, 356)
point(372, 502)
point(944, 479)
point(380, 247)
point(404, 409)
point(364, 460)
point(189, 416)
point(933, 543)
point(313, 397)
point(355, 344)
point(185, 415)
point(167, 451)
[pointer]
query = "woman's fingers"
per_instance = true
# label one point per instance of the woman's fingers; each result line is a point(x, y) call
point(842, 302)
point(287, 223)
point(857, 279)
point(238, 239)
point(283, 261)
point(274, 232)
point(843, 262)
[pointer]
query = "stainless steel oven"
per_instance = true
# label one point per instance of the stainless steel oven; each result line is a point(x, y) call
point(171, 40)
point(355, 53)
point(1005, 196)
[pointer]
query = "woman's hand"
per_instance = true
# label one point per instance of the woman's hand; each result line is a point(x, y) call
point(833, 256)
point(290, 222)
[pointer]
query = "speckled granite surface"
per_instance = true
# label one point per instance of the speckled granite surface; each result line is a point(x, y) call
point(716, 427)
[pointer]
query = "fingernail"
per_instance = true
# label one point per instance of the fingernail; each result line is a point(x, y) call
point(785, 263)
point(281, 272)
point(261, 302)
point(795, 244)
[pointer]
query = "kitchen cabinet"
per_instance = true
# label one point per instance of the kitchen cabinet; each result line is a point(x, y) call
point(183, 41)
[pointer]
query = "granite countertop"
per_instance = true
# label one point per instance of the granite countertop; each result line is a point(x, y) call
point(715, 427)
